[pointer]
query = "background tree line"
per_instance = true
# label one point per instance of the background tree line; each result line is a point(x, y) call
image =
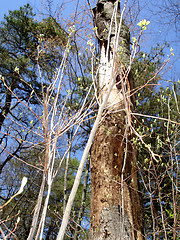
point(48, 106)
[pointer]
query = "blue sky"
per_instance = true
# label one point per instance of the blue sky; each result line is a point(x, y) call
point(6, 5)
point(157, 33)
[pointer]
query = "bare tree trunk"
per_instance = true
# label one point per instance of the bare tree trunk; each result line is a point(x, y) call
point(115, 201)
point(37, 209)
point(66, 174)
point(83, 199)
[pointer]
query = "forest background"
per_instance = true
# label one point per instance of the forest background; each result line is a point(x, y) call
point(68, 26)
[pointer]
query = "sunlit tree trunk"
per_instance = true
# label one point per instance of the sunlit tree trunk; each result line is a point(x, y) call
point(115, 203)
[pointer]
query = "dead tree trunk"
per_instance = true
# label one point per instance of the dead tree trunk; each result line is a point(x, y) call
point(115, 202)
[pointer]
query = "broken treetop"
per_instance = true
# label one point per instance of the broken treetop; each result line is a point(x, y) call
point(104, 22)
point(103, 13)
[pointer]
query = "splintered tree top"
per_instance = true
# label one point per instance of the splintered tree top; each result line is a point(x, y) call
point(107, 17)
